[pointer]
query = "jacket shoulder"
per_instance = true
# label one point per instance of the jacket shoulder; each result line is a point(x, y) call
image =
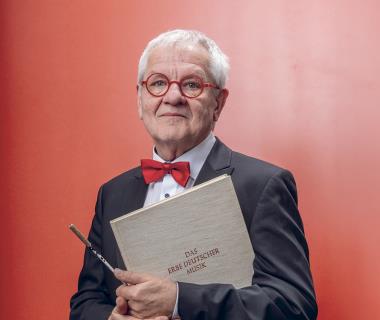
point(122, 179)
point(256, 167)
point(251, 176)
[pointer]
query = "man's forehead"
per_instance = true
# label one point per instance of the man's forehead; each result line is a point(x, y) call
point(182, 53)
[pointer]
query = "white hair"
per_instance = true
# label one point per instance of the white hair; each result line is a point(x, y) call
point(219, 65)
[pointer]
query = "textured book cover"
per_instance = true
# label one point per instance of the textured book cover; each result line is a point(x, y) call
point(197, 236)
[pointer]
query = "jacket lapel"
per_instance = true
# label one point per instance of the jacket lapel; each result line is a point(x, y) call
point(133, 199)
point(217, 163)
point(137, 192)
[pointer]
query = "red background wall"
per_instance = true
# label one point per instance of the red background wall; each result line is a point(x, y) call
point(304, 93)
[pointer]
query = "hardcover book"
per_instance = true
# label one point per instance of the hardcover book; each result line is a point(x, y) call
point(197, 236)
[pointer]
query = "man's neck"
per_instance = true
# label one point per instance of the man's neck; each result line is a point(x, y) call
point(170, 151)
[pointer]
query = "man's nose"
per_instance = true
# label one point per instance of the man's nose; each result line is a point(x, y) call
point(174, 95)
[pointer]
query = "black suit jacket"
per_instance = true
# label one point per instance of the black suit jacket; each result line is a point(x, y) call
point(282, 286)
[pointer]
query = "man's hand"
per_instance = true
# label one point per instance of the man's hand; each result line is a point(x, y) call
point(116, 316)
point(121, 309)
point(147, 296)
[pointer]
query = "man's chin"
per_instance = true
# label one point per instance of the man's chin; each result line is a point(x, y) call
point(170, 138)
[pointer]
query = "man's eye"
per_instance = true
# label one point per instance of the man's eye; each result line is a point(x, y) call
point(158, 83)
point(194, 85)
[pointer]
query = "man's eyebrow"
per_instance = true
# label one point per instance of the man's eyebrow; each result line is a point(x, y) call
point(199, 73)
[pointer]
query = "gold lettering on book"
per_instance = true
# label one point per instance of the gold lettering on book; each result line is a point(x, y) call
point(194, 261)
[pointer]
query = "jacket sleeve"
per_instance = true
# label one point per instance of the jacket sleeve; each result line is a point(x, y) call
point(92, 300)
point(282, 286)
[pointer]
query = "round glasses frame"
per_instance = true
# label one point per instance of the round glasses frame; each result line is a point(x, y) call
point(179, 83)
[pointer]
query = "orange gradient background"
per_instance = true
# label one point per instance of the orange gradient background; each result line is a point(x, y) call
point(304, 94)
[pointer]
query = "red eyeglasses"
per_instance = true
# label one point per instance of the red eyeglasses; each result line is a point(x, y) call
point(190, 86)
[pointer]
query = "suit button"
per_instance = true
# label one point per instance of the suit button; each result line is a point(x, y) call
point(167, 195)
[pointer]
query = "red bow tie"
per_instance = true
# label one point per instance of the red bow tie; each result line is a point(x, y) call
point(153, 171)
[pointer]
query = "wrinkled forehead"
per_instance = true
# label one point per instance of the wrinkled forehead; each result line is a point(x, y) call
point(179, 56)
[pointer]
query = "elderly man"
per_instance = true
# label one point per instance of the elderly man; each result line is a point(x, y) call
point(181, 94)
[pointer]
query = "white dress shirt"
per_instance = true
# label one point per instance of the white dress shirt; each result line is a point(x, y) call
point(167, 186)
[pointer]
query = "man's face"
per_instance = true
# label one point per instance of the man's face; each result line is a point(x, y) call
point(173, 119)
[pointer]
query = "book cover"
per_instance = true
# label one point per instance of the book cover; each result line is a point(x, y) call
point(197, 236)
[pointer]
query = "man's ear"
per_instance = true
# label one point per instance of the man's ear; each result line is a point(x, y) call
point(220, 100)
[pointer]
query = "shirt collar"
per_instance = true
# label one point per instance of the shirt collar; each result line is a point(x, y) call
point(196, 156)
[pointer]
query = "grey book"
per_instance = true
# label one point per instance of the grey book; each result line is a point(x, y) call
point(197, 236)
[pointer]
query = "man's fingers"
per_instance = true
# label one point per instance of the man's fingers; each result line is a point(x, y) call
point(132, 277)
point(116, 316)
point(121, 305)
